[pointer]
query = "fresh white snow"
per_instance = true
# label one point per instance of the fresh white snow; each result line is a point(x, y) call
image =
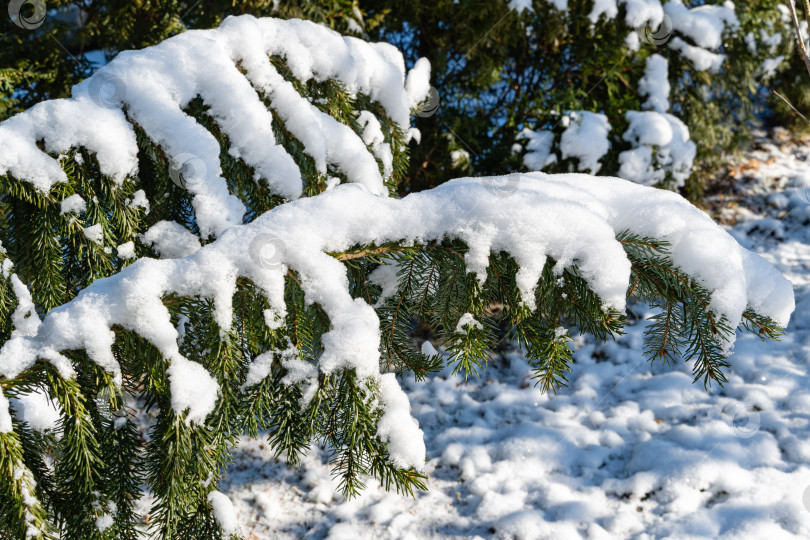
point(655, 84)
point(586, 139)
point(126, 250)
point(170, 240)
point(466, 323)
point(661, 144)
point(73, 204)
point(539, 145)
point(38, 410)
point(701, 59)
point(704, 25)
point(94, 233)
point(224, 512)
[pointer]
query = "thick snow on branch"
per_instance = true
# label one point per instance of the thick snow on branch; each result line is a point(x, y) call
point(230, 69)
point(660, 140)
point(702, 59)
point(568, 217)
point(705, 25)
point(586, 139)
point(538, 148)
point(661, 145)
point(643, 12)
point(655, 84)
point(608, 8)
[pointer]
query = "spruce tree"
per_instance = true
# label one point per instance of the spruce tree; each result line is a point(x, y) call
point(208, 233)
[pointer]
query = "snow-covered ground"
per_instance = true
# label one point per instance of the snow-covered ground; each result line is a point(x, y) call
point(629, 450)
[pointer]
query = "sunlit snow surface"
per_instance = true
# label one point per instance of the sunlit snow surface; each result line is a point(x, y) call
point(629, 450)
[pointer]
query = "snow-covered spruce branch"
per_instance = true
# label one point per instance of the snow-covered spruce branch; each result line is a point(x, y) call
point(238, 71)
point(571, 219)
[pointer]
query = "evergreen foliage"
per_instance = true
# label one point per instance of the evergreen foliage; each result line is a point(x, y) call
point(101, 463)
point(498, 70)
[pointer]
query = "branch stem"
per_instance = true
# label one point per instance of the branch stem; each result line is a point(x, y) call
point(799, 38)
